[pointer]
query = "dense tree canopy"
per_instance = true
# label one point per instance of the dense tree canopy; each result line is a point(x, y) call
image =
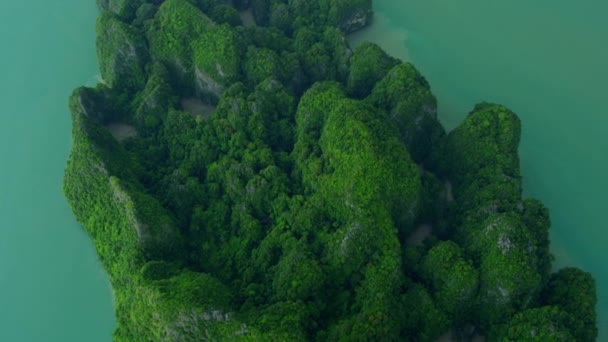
point(274, 184)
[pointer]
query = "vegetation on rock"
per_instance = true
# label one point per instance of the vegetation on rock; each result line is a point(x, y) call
point(285, 214)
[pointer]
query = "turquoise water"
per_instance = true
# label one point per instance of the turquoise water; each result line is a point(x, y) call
point(548, 61)
point(52, 288)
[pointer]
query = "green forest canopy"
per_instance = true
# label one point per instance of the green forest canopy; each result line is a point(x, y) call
point(287, 211)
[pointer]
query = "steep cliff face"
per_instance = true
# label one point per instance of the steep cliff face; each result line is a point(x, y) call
point(349, 16)
point(155, 300)
point(122, 54)
point(201, 54)
point(100, 169)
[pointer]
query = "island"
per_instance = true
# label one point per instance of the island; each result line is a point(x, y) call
point(246, 175)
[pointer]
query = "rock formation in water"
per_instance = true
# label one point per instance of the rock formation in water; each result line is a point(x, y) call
point(286, 211)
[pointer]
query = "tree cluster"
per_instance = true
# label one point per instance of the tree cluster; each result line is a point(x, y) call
point(286, 213)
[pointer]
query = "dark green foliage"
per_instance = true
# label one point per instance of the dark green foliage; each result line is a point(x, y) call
point(369, 65)
point(536, 218)
point(102, 105)
point(547, 323)
point(433, 201)
point(283, 321)
point(304, 13)
point(280, 17)
point(324, 54)
point(422, 319)
point(274, 207)
point(347, 15)
point(453, 280)
point(226, 14)
point(158, 270)
point(261, 11)
point(269, 38)
point(153, 102)
point(122, 53)
point(145, 13)
point(406, 96)
point(483, 160)
point(574, 292)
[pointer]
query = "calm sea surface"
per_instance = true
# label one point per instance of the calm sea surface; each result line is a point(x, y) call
point(546, 60)
point(52, 288)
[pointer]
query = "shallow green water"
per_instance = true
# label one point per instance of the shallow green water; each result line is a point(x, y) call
point(52, 288)
point(548, 61)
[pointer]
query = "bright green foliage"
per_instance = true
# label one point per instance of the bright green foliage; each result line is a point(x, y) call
point(369, 64)
point(281, 211)
point(509, 278)
point(263, 63)
point(122, 53)
point(453, 280)
point(483, 160)
point(370, 167)
point(407, 97)
point(200, 53)
point(176, 25)
point(125, 9)
point(547, 323)
point(574, 291)
point(298, 276)
point(283, 321)
point(371, 187)
point(156, 232)
point(217, 55)
point(127, 227)
point(310, 118)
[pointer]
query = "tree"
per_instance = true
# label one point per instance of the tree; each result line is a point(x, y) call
point(547, 323)
point(574, 291)
point(483, 160)
point(369, 64)
point(453, 280)
point(422, 319)
point(406, 96)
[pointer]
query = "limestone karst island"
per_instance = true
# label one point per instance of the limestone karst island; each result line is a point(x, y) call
point(247, 175)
